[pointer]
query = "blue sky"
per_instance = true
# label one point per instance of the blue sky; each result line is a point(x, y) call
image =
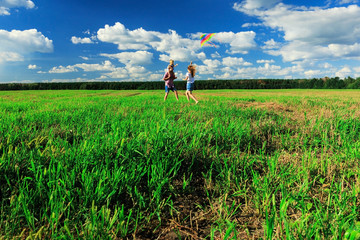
point(126, 40)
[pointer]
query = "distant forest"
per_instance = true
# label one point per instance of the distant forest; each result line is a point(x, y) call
point(322, 83)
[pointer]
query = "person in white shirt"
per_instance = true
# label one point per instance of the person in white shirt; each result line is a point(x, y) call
point(190, 78)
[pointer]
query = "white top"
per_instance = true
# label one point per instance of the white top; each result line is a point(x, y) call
point(190, 78)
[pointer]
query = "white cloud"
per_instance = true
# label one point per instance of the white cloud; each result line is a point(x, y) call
point(309, 33)
point(17, 3)
point(320, 26)
point(255, 4)
point(156, 77)
point(25, 41)
point(357, 69)
point(312, 73)
point(344, 72)
point(77, 40)
point(210, 66)
point(345, 50)
point(70, 80)
point(325, 65)
point(32, 66)
point(15, 44)
point(132, 73)
point(240, 42)
point(172, 40)
point(62, 69)
point(4, 11)
point(105, 66)
point(215, 55)
point(126, 39)
point(6, 5)
point(132, 58)
point(171, 45)
point(10, 57)
point(181, 55)
point(118, 73)
point(271, 44)
point(265, 61)
point(348, 1)
point(246, 25)
point(234, 61)
point(109, 71)
point(178, 48)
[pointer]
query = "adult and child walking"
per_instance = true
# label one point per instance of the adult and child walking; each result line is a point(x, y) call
point(169, 78)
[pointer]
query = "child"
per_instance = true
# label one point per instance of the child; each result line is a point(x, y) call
point(169, 78)
point(190, 78)
point(172, 64)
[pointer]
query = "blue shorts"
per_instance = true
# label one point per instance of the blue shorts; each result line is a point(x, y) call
point(167, 89)
point(190, 86)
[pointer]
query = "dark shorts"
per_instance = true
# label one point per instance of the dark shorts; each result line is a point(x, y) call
point(167, 89)
point(190, 86)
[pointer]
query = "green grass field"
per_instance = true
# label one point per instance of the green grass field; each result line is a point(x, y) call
point(243, 164)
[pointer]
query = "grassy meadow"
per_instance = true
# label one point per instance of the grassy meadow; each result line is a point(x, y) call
point(241, 164)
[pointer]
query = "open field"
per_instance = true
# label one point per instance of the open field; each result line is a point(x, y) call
point(270, 164)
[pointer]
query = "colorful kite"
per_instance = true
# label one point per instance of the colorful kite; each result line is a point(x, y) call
point(206, 37)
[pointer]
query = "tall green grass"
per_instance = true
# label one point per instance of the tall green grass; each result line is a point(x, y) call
point(125, 164)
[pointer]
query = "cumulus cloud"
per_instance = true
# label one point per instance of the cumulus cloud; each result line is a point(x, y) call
point(6, 5)
point(331, 33)
point(344, 72)
point(10, 57)
point(25, 41)
point(302, 52)
point(32, 66)
point(246, 25)
point(271, 44)
point(171, 45)
point(265, 71)
point(176, 47)
point(77, 40)
point(15, 44)
point(234, 61)
point(132, 58)
point(108, 71)
point(255, 4)
point(105, 66)
point(265, 61)
point(318, 27)
point(348, 1)
point(62, 69)
point(4, 11)
point(126, 39)
point(239, 68)
point(118, 73)
point(240, 42)
point(210, 66)
point(132, 73)
point(215, 55)
point(17, 3)
point(312, 73)
point(181, 55)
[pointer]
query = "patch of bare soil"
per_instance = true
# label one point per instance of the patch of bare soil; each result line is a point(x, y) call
point(268, 105)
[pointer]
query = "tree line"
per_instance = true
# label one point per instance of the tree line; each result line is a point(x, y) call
point(315, 83)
